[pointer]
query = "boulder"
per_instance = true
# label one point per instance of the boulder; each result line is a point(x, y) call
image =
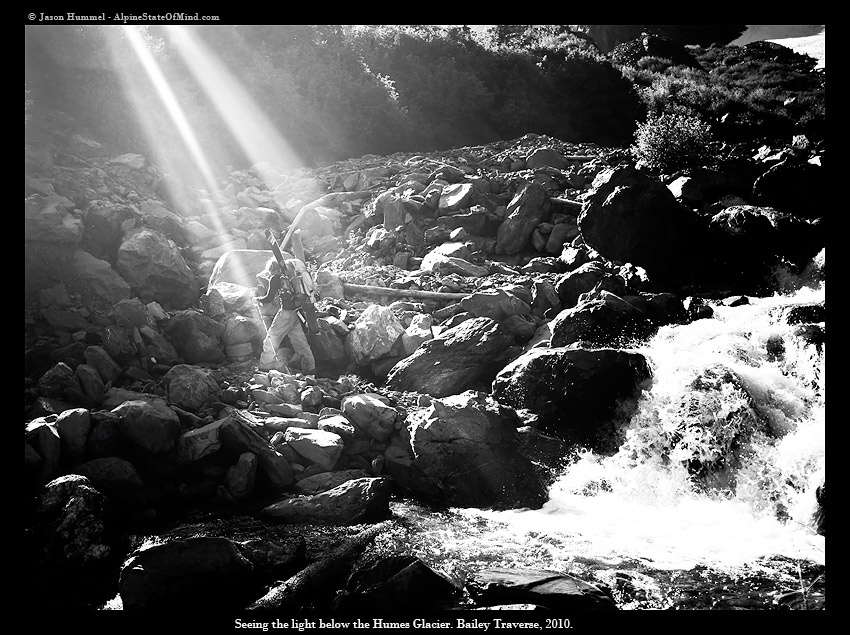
point(460, 358)
point(455, 197)
point(557, 592)
point(240, 267)
point(235, 298)
point(396, 583)
point(321, 447)
point(328, 346)
point(417, 332)
point(546, 157)
point(462, 451)
point(529, 207)
point(191, 387)
point(324, 481)
point(195, 444)
point(91, 383)
point(580, 280)
point(155, 269)
point(581, 396)
point(117, 479)
point(604, 320)
point(73, 427)
point(374, 335)
point(793, 186)
point(195, 337)
point(58, 382)
point(206, 569)
point(157, 347)
point(44, 449)
point(76, 537)
point(52, 219)
point(149, 424)
point(496, 304)
point(632, 217)
point(239, 438)
point(131, 312)
point(359, 500)
point(371, 414)
point(240, 476)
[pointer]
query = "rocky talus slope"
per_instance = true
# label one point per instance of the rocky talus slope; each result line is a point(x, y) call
point(461, 290)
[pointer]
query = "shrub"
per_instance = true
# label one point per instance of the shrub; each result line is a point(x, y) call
point(671, 141)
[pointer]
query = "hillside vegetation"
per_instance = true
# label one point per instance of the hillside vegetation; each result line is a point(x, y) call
point(335, 91)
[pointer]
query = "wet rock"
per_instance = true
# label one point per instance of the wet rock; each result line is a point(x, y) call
point(396, 583)
point(203, 569)
point(328, 480)
point(463, 451)
point(359, 500)
point(550, 589)
point(581, 396)
point(607, 320)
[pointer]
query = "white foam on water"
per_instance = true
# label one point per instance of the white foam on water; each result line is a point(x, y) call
point(643, 504)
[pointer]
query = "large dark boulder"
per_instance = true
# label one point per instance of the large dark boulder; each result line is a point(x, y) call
point(633, 217)
point(749, 242)
point(581, 396)
point(463, 451)
point(73, 537)
point(795, 187)
point(604, 319)
point(461, 358)
point(210, 570)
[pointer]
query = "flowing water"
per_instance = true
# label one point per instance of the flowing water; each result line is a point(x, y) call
point(712, 493)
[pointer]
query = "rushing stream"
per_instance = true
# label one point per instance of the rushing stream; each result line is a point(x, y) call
point(713, 488)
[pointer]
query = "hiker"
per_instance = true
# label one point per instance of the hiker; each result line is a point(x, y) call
point(286, 321)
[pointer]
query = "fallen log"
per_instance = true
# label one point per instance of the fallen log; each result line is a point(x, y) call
point(320, 579)
point(402, 293)
point(567, 202)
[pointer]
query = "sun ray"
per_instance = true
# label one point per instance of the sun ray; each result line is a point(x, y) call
point(250, 126)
